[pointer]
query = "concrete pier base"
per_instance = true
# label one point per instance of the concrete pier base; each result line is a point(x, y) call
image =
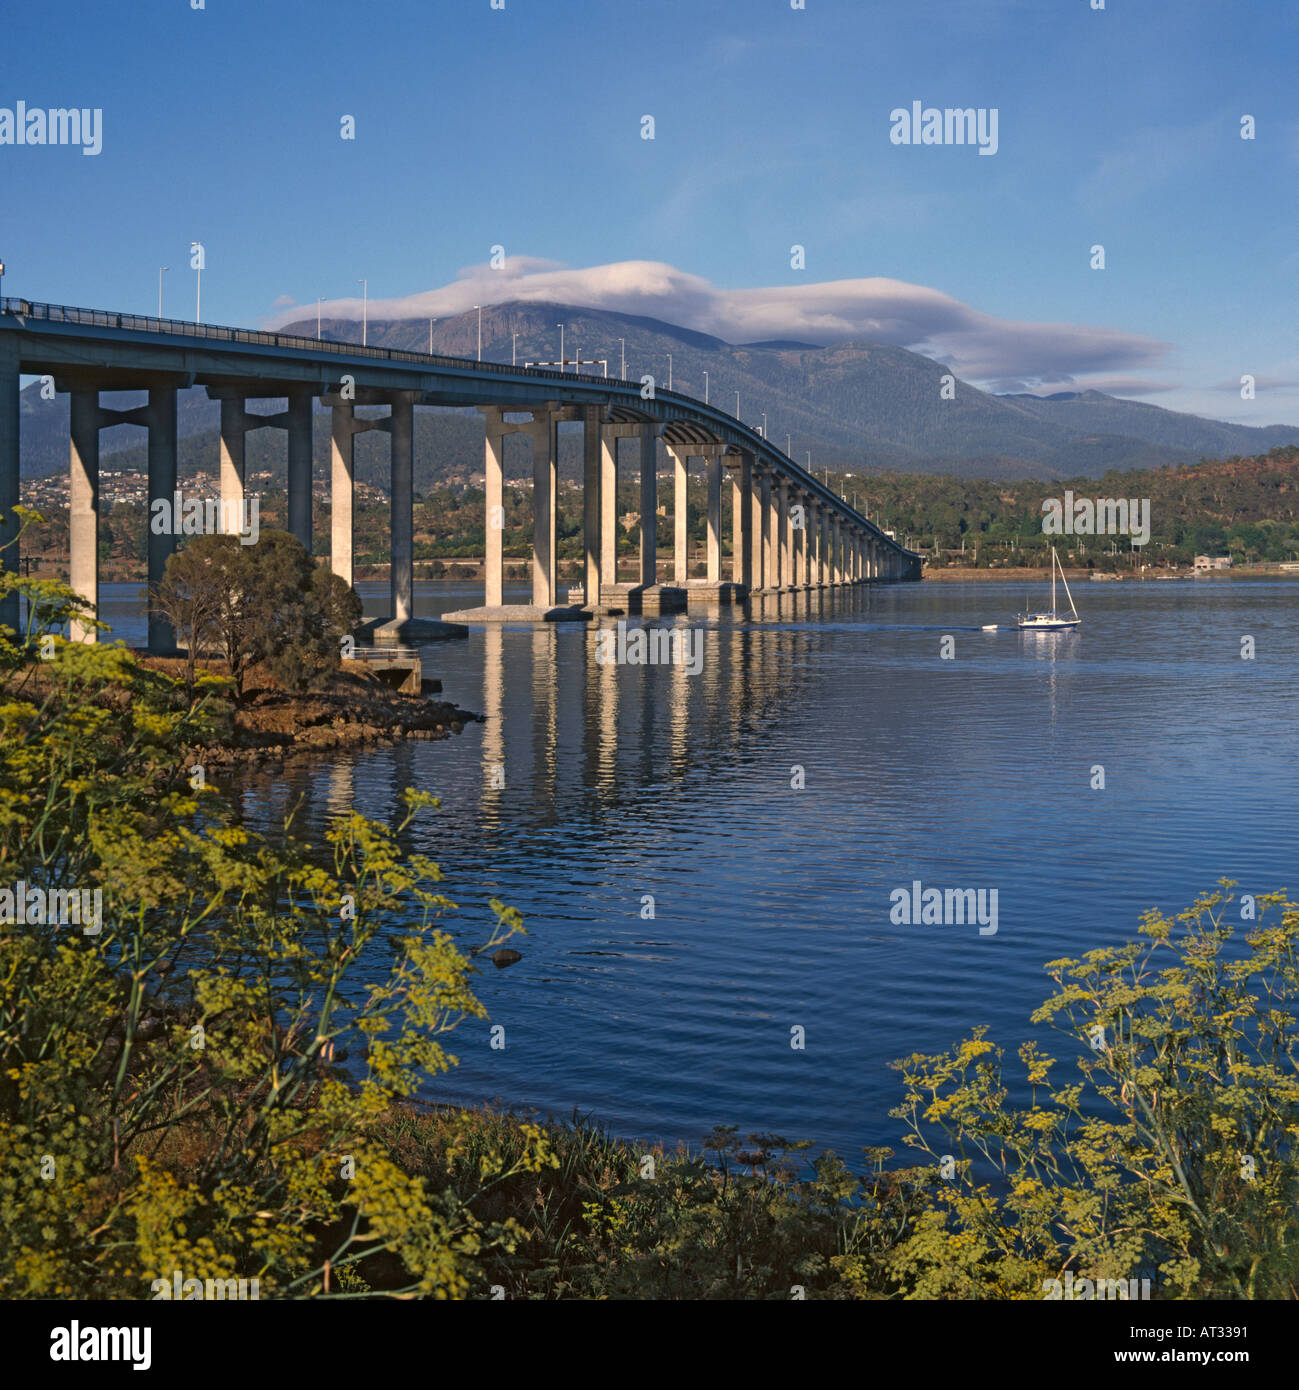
point(650, 599)
point(520, 613)
point(721, 591)
point(409, 630)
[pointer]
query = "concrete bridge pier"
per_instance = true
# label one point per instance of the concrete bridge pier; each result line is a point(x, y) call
point(299, 466)
point(83, 506)
point(162, 483)
point(759, 501)
point(609, 436)
point(784, 536)
point(649, 506)
point(680, 456)
point(401, 522)
point(592, 507)
point(713, 473)
point(545, 484)
point(740, 466)
point(343, 425)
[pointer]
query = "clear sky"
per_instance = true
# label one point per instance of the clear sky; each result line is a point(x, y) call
point(522, 127)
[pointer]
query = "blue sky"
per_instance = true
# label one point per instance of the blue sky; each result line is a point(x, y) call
point(521, 127)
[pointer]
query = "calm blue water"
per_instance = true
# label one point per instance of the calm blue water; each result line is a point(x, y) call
point(771, 905)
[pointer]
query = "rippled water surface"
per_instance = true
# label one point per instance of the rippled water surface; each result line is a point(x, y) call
point(771, 905)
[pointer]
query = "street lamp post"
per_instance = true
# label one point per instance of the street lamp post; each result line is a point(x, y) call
point(320, 299)
point(622, 343)
point(198, 286)
point(161, 268)
point(479, 307)
point(705, 388)
point(737, 405)
point(668, 355)
point(365, 309)
point(431, 322)
point(560, 326)
point(764, 424)
point(514, 349)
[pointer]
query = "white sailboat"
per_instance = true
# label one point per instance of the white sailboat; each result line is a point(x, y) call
point(1054, 620)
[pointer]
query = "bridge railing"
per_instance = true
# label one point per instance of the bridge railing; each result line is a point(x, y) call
point(212, 332)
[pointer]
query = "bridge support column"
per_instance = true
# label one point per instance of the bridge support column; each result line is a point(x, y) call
point(162, 484)
point(401, 491)
point(544, 497)
point(770, 549)
point(785, 536)
point(234, 428)
point(827, 573)
point(494, 502)
point(713, 471)
point(649, 502)
point(608, 506)
point(680, 535)
point(740, 467)
point(758, 528)
point(300, 404)
point(9, 470)
point(592, 509)
point(836, 553)
point(83, 508)
point(341, 485)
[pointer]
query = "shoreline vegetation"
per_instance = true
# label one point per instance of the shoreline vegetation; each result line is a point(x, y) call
point(209, 1082)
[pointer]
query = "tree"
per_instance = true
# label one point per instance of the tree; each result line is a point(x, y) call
point(265, 602)
point(191, 602)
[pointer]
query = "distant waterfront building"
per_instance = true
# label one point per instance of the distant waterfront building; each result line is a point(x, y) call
point(1213, 562)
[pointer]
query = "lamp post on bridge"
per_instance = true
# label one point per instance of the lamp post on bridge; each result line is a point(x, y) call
point(161, 268)
point(560, 326)
point(479, 307)
point(365, 309)
point(198, 283)
point(514, 349)
point(320, 299)
point(705, 388)
point(668, 355)
point(622, 343)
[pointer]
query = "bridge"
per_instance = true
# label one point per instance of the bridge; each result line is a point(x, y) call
point(789, 532)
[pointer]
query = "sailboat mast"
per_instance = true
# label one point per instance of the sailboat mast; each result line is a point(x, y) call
point(1065, 582)
point(1054, 562)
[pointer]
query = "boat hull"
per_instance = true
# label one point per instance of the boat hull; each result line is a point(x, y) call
point(1047, 624)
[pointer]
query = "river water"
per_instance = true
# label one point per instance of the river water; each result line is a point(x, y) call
point(638, 790)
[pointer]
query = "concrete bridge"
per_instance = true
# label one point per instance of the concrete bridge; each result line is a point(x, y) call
point(788, 531)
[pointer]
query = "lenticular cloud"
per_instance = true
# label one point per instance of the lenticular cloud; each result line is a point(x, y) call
point(977, 345)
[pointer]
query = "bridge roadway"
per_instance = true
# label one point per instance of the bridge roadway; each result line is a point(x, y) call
point(789, 531)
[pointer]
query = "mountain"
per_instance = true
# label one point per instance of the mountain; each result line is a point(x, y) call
point(852, 406)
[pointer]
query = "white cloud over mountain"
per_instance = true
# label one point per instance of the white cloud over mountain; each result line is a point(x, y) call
point(1004, 354)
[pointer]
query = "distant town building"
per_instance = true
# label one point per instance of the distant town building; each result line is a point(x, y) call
point(1213, 562)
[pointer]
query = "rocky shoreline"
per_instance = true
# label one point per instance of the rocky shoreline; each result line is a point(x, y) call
point(357, 709)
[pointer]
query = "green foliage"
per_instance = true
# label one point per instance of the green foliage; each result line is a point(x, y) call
point(1173, 1153)
point(266, 602)
point(170, 1092)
